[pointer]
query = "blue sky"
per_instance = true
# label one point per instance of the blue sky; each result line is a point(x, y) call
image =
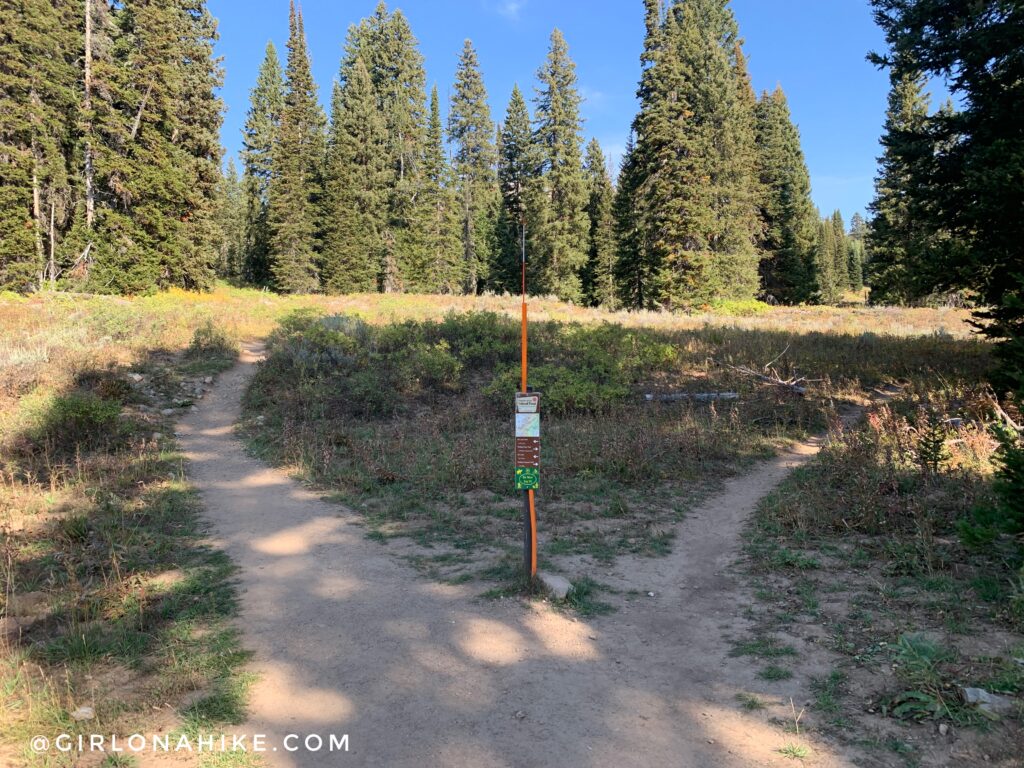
point(814, 48)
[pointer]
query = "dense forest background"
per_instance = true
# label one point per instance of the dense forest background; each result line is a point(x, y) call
point(111, 178)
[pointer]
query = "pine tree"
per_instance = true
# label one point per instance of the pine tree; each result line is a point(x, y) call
point(855, 263)
point(231, 220)
point(357, 178)
point(599, 274)
point(471, 130)
point(694, 159)
point(293, 192)
point(37, 96)
point(637, 265)
point(389, 50)
point(788, 215)
point(898, 237)
point(858, 227)
point(557, 222)
point(445, 267)
point(266, 102)
point(842, 271)
point(517, 176)
point(825, 283)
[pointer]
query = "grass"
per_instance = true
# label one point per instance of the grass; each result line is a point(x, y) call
point(774, 672)
point(750, 702)
point(406, 419)
point(916, 609)
point(794, 751)
point(101, 530)
point(114, 599)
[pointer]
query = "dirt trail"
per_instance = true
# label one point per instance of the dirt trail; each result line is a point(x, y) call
point(350, 640)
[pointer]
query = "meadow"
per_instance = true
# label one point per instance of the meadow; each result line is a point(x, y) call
point(399, 407)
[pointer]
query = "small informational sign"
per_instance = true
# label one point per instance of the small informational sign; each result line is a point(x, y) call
point(527, 441)
point(527, 403)
point(527, 479)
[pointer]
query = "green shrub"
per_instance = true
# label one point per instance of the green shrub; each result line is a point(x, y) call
point(79, 421)
point(208, 341)
point(1005, 516)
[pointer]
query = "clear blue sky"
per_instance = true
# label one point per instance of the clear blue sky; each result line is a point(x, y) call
point(814, 48)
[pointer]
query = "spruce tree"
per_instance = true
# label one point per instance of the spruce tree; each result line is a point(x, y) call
point(390, 52)
point(266, 102)
point(899, 237)
point(842, 270)
point(445, 268)
point(294, 190)
point(599, 273)
point(355, 211)
point(471, 130)
point(637, 265)
point(557, 222)
point(789, 219)
point(855, 263)
point(37, 96)
point(826, 286)
point(517, 177)
point(231, 219)
point(694, 159)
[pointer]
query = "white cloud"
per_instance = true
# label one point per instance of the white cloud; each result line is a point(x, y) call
point(510, 8)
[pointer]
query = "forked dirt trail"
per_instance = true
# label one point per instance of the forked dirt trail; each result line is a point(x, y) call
point(350, 640)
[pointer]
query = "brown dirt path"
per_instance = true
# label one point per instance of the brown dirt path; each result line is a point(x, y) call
point(350, 640)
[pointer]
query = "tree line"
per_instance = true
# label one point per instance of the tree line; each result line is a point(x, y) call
point(110, 180)
point(109, 145)
point(378, 204)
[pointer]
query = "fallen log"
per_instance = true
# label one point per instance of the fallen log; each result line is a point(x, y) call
point(700, 397)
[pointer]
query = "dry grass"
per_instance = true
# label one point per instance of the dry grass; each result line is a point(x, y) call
point(119, 604)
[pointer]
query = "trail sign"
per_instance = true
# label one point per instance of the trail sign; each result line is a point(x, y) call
point(527, 441)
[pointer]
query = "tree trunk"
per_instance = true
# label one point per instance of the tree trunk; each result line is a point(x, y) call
point(90, 192)
point(52, 267)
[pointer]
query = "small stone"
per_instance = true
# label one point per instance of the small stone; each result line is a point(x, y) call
point(167, 412)
point(650, 594)
point(558, 586)
point(83, 713)
point(156, 436)
point(136, 377)
point(992, 703)
point(520, 715)
point(943, 729)
point(208, 380)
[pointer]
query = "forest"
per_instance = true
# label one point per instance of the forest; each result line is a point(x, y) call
point(113, 184)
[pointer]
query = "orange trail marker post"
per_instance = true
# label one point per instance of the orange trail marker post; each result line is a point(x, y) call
point(527, 453)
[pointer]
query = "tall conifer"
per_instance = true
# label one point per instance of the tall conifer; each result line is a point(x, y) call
point(293, 192)
point(265, 105)
point(557, 224)
point(471, 130)
point(599, 274)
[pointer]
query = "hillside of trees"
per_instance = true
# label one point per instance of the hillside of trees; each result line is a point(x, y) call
point(111, 181)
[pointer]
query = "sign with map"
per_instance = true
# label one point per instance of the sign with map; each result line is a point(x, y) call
point(527, 453)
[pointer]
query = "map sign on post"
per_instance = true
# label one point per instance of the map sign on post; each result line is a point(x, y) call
point(527, 441)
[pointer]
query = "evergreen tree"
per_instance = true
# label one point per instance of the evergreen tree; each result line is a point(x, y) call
point(445, 268)
point(471, 130)
point(826, 284)
point(357, 178)
point(517, 176)
point(694, 159)
point(842, 256)
point(855, 263)
point(265, 105)
point(789, 219)
point(231, 217)
point(37, 95)
point(293, 191)
point(858, 227)
point(389, 50)
point(599, 274)
point(898, 238)
point(557, 224)
point(637, 265)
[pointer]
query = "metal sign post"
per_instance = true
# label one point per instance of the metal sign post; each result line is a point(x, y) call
point(527, 454)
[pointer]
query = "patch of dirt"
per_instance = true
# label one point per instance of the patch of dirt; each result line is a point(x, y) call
point(348, 639)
